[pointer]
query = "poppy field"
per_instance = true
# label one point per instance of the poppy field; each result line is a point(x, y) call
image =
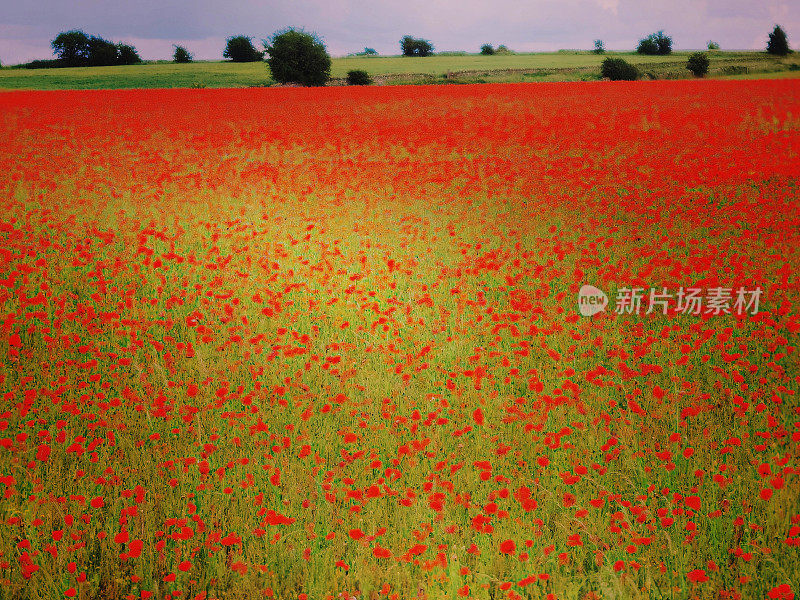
point(326, 343)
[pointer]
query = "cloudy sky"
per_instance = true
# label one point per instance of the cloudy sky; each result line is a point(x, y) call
point(153, 26)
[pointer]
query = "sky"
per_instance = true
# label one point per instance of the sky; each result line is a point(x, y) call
point(346, 26)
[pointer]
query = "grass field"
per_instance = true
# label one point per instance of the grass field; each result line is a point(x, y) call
point(310, 344)
point(560, 66)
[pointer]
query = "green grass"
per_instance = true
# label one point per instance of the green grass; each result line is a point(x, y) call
point(767, 75)
point(473, 68)
point(439, 65)
point(158, 75)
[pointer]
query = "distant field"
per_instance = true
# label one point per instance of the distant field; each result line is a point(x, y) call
point(565, 66)
point(439, 65)
point(168, 75)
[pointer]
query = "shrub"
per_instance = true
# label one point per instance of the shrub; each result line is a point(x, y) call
point(487, 49)
point(181, 55)
point(42, 64)
point(411, 46)
point(367, 52)
point(503, 49)
point(734, 70)
point(698, 64)
point(239, 48)
point(618, 69)
point(712, 45)
point(127, 55)
point(358, 77)
point(298, 57)
point(655, 43)
point(599, 47)
point(778, 43)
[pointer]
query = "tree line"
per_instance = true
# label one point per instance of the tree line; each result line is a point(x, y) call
point(296, 56)
point(618, 69)
point(77, 49)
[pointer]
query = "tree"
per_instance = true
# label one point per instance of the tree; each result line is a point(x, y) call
point(617, 69)
point(411, 46)
point(102, 53)
point(298, 57)
point(127, 55)
point(367, 52)
point(664, 43)
point(181, 55)
point(655, 43)
point(71, 48)
point(647, 46)
point(240, 48)
point(698, 64)
point(487, 49)
point(599, 47)
point(778, 43)
point(76, 49)
point(358, 77)
point(712, 45)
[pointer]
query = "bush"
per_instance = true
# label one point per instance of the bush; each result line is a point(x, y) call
point(298, 57)
point(42, 64)
point(712, 45)
point(778, 43)
point(411, 46)
point(367, 52)
point(503, 50)
point(181, 55)
point(599, 47)
point(698, 64)
point(239, 48)
point(735, 70)
point(358, 77)
point(127, 55)
point(618, 69)
point(487, 49)
point(655, 44)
